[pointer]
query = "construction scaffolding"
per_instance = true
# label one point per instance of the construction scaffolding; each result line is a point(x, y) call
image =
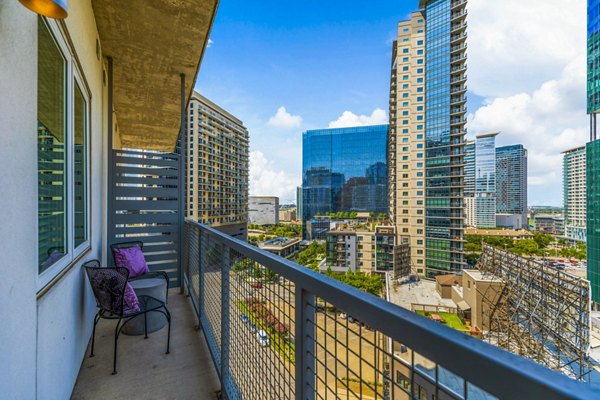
point(539, 312)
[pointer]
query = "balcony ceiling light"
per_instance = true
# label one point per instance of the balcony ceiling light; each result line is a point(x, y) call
point(50, 8)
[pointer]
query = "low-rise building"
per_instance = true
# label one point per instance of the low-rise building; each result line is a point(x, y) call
point(360, 249)
point(510, 221)
point(263, 210)
point(287, 214)
point(553, 224)
point(282, 246)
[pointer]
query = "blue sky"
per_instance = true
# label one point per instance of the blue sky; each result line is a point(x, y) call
point(330, 60)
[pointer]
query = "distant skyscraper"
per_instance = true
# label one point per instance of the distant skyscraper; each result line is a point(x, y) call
point(593, 149)
point(574, 193)
point(427, 129)
point(299, 202)
point(485, 181)
point(344, 169)
point(217, 174)
point(511, 181)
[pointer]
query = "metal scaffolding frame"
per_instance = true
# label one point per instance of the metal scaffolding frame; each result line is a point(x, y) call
point(540, 312)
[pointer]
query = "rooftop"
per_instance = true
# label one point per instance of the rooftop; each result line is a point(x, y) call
point(498, 232)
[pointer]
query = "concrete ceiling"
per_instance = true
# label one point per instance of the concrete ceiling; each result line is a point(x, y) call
point(151, 43)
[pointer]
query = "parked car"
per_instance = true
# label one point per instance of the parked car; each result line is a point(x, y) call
point(257, 285)
point(263, 339)
point(252, 327)
point(244, 318)
point(343, 315)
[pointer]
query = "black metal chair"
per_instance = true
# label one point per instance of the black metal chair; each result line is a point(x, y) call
point(108, 285)
point(151, 274)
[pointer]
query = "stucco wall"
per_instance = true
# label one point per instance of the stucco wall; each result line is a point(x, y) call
point(66, 312)
point(18, 202)
point(43, 341)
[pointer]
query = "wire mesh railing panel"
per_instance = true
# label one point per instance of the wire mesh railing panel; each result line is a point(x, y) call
point(277, 330)
point(261, 331)
point(211, 256)
point(191, 263)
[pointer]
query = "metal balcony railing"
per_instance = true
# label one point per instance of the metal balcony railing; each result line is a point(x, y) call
point(277, 330)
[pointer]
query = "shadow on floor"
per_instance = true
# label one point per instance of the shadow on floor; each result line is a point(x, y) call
point(144, 370)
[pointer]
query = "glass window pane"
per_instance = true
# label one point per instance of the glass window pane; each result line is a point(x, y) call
point(52, 174)
point(80, 168)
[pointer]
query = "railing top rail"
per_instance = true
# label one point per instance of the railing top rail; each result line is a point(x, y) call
point(491, 368)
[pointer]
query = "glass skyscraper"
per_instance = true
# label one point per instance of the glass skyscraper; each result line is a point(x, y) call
point(593, 150)
point(445, 97)
point(344, 169)
point(511, 181)
point(485, 181)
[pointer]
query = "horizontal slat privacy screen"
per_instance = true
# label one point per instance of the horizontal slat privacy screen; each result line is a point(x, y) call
point(145, 206)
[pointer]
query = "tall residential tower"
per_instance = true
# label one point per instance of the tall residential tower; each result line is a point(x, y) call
point(574, 193)
point(217, 168)
point(426, 138)
point(593, 149)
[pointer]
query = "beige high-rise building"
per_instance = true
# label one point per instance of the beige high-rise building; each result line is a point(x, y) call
point(426, 135)
point(407, 138)
point(217, 173)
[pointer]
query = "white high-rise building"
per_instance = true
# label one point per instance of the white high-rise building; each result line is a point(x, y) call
point(574, 191)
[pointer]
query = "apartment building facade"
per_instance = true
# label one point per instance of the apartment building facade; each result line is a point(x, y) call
point(374, 250)
point(574, 193)
point(217, 168)
point(426, 138)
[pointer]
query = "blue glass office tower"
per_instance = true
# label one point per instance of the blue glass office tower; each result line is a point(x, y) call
point(445, 98)
point(511, 181)
point(593, 149)
point(344, 170)
point(485, 181)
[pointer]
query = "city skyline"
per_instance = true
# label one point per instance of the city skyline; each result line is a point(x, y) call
point(347, 93)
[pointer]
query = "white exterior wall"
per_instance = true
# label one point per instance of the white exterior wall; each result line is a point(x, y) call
point(18, 176)
point(43, 340)
point(263, 210)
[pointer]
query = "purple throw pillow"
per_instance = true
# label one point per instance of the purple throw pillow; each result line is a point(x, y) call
point(133, 259)
point(130, 301)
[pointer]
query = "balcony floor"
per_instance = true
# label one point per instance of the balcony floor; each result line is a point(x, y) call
point(144, 370)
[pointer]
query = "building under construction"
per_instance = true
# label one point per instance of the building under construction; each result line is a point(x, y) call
point(537, 311)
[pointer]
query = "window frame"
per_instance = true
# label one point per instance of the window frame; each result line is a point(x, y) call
point(74, 76)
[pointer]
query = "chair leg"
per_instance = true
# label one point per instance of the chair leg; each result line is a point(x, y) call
point(117, 331)
point(96, 319)
point(169, 330)
point(145, 325)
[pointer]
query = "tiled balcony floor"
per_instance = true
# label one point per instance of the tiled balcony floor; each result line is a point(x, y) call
point(144, 370)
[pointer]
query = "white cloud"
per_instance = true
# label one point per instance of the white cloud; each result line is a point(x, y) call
point(348, 118)
point(515, 45)
point(284, 120)
point(547, 121)
point(531, 71)
point(266, 180)
point(210, 43)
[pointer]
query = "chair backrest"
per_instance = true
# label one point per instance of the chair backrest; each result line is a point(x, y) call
point(108, 285)
point(125, 245)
